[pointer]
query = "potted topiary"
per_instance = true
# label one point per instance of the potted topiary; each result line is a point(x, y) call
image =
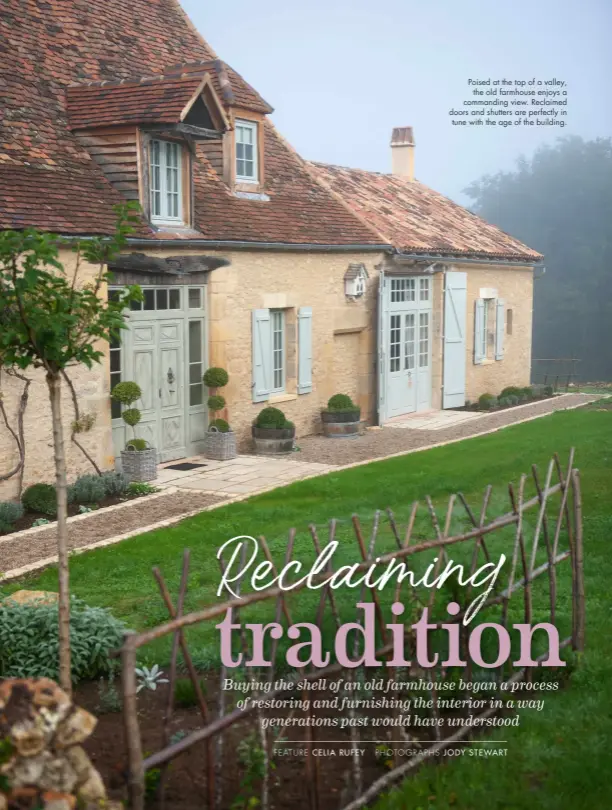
point(273, 433)
point(220, 441)
point(341, 418)
point(139, 459)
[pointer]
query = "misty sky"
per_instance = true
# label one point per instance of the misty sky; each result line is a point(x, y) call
point(342, 73)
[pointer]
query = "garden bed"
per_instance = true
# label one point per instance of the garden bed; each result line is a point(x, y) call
point(29, 520)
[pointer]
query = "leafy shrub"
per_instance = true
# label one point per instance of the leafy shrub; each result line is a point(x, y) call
point(126, 392)
point(9, 514)
point(221, 425)
point(216, 403)
point(40, 498)
point(548, 391)
point(87, 489)
point(528, 392)
point(137, 444)
point(511, 391)
point(185, 693)
point(486, 402)
point(108, 696)
point(341, 403)
point(138, 488)
point(504, 402)
point(115, 483)
point(272, 418)
point(29, 643)
point(216, 377)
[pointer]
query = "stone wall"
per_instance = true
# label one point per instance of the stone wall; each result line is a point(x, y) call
point(92, 389)
point(515, 287)
point(344, 331)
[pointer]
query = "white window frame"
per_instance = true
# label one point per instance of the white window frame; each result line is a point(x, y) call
point(278, 316)
point(253, 127)
point(164, 218)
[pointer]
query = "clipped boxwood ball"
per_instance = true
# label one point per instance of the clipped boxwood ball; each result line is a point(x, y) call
point(131, 417)
point(216, 403)
point(341, 402)
point(271, 418)
point(216, 377)
point(221, 425)
point(126, 392)
point(40, 498)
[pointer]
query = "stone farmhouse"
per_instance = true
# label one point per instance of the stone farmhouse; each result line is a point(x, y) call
point(301, 279)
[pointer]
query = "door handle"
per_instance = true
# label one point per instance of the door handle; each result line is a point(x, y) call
point(170, 376)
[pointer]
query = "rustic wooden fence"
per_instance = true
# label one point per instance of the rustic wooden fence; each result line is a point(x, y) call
point(541, 529)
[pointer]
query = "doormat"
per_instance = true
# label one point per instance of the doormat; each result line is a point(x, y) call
point(184, 465)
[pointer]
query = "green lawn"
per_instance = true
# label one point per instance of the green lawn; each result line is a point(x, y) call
point(557, 759)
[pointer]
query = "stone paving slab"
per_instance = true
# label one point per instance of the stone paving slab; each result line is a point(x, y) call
point(239, 475)
point(433, 420)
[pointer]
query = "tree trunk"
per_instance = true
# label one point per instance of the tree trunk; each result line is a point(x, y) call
point(55, 396)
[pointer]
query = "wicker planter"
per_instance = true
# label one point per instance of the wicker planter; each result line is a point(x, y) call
point(220, 446)
point(341, 424)
point(273, 441)
point(139, 465)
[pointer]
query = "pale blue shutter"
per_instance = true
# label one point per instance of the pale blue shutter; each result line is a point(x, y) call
point(479, 336)
point(262, 354)
point(304, 350)
point(500, 324)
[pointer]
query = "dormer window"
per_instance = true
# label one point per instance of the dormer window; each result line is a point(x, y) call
point(165, 182)
point(247, 168)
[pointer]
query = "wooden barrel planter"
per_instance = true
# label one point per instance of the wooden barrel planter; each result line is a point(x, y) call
point(273, 441)
point(341, 424)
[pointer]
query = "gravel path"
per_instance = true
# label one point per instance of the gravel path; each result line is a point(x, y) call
point(379, 443)
point(24, 550)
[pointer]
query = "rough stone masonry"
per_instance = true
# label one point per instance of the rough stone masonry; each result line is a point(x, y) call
point(42, 762)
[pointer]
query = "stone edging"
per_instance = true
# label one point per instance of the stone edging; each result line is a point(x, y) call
point(16, 573)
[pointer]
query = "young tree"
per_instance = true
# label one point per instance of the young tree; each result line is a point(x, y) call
point(51, 320)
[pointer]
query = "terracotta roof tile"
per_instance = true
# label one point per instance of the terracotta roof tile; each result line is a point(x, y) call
point(49, 180)
point(414, 218)
point(147, 102)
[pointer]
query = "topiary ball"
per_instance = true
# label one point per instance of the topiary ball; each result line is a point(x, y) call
point(216, 403)
point(221, 425)
point(10, 513)
point(216, 377)
point(131, 417)
point(126, 392)
point(40, 498)
point(271, 418)
point(137, 444)
point(341, 402)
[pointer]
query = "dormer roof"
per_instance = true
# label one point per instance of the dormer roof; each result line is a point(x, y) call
point(157, 100)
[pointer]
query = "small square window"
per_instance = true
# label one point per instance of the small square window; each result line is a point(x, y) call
point(162, 299)
point(195, 298)
point(149, 299)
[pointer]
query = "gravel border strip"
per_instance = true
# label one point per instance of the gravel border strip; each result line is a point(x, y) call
point(16, 573)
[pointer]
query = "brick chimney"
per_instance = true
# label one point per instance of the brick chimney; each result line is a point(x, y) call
point(402, 152)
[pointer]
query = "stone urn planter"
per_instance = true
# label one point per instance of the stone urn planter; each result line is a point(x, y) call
point(341, 424)
point(139, 465)
point(220, 445)
point(341, 419)
point(273, 441)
